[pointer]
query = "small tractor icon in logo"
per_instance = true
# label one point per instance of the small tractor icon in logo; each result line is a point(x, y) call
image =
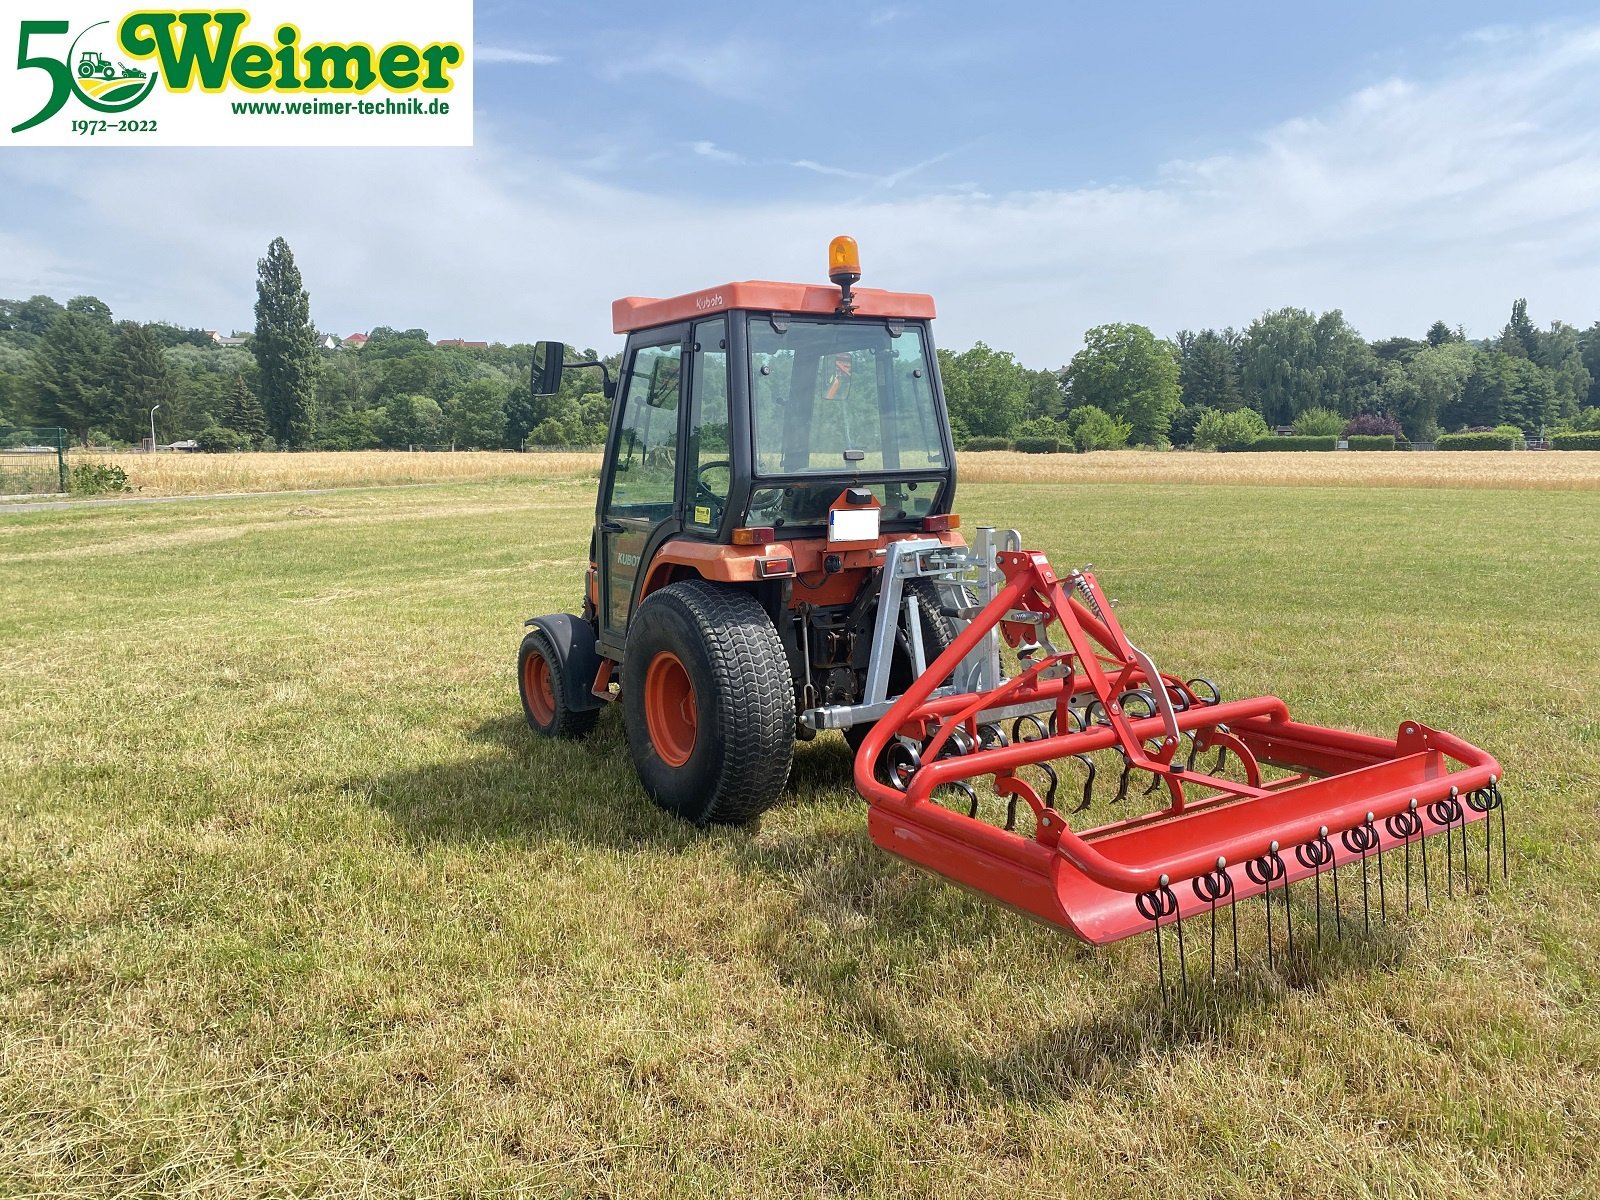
point(94, 63)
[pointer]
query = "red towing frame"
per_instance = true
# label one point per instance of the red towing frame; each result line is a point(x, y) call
point(1333, 797)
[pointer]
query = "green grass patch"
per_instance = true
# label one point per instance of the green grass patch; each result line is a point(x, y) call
point(292, 904)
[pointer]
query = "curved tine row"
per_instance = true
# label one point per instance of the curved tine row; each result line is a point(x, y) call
point(1213, 692)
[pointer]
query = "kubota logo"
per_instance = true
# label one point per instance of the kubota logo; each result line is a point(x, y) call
point(269, 70)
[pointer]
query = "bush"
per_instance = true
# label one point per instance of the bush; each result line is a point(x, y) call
point(214, 439)
point(1091, 428)
point(95, 479)
point(1038, 445)
point(1502, 438)
point(1319, 422)
point(1586, 440)
point(1229, 431)
point(987, 443)
point(1363, 441)
point(1273, 444)
point(1373, 425)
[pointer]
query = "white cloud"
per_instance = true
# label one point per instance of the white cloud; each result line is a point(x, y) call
point(1411, 200)
point(711, 151)
point(504, 54)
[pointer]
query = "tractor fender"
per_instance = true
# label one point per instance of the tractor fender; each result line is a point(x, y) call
point(574, 642)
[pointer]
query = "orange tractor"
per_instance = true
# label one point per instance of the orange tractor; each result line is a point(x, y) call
point(775, 554)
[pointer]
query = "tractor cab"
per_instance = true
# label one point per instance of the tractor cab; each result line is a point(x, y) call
point(743, 416)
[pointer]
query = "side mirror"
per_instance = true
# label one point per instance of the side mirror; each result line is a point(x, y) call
point(548, 359)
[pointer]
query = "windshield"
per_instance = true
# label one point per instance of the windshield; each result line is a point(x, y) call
point(842, 395)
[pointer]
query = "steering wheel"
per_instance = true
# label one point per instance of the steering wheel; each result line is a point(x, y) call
point(704, 491)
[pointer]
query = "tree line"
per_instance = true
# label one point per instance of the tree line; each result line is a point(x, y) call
point(75, 366)
point(1288, 369)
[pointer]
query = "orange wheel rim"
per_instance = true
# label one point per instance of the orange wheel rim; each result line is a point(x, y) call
point(538, 688)
point(669, 710)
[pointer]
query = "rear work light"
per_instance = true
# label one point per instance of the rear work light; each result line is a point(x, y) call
point(760, 535)
point(941, 524)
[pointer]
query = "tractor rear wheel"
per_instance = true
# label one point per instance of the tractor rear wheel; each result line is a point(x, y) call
point(541, 676)
point(708, 702)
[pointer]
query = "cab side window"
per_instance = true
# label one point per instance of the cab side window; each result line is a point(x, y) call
point(709, 447)
point(647, 448)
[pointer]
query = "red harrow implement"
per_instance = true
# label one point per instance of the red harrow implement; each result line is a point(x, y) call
point(1310, 799)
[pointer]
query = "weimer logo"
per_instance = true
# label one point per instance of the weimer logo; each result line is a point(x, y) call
point(357, 68)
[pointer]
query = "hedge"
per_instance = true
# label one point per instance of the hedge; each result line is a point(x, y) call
point(1370, 441)
point(1032, 445)
point(1310, 442)
point(1491, 440)
point(987, 443)
point(1575, 441)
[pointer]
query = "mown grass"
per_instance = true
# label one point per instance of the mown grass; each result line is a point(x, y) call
point(291, 904)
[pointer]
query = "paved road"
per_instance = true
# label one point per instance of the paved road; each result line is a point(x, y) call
point(8, 510)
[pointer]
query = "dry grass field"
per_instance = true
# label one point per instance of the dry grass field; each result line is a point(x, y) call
point(291, 903)
point(1567, 470)
point(200, 474)
point(203, 474)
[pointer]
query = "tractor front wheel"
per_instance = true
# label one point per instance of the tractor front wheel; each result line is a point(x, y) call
point(541, 675)
point(708, 702)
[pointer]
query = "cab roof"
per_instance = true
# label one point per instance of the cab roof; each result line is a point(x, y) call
point(760, 295)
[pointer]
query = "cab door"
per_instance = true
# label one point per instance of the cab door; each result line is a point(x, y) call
point(640, 500)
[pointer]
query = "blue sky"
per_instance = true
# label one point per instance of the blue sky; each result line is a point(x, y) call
point(1039, 168)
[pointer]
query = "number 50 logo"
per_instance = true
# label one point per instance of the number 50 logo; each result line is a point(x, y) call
point(88, 71)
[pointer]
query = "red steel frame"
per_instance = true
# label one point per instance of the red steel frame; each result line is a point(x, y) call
point(1348, 795)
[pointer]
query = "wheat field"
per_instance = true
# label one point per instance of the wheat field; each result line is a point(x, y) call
point(203, 474)
point(1567, 470)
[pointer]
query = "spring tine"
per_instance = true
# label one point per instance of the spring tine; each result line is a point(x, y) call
point(1161, 965)
point(1194, 751)
point(1213, 888)
point(1338, 910)
point(1154, 907)
point(1383, 899)
point(1011, 815)
point(1500, 803)
point(1427, 888)
point(1222, 761)
point(1122, 784)
point(1413, 812)
point(1316, 878)
point(1266, 871)
point(1088, 783)
point(1183, 960)
point(1233, 913)
point(1488, 836)
point(1288, 916)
